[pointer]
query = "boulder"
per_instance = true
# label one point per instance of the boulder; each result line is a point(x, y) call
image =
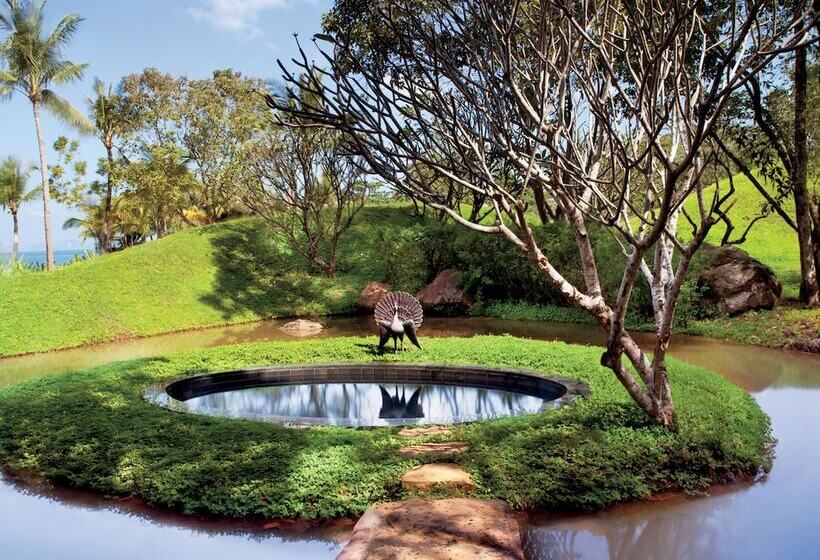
point(737, 283)
point(444, 294)
point(371, 294)
point(301, 327)
point(455, 528)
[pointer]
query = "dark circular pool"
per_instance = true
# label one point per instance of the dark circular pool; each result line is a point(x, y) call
point(366, 394)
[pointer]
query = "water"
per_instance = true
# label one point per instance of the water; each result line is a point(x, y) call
point(364, 404)
point(38, 258)
point(775, 518)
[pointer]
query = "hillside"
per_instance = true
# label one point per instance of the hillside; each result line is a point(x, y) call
point(770, 241)
point(238, 271)
point(225, 273)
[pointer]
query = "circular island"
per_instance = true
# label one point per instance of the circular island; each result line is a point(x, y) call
point(95, 429)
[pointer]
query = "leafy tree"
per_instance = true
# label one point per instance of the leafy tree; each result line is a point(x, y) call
point(307, 189)
point(33, 63)
point(773, 138)
point(67, 176)
point(161, 183)
point(223, 114)
point(13, 194)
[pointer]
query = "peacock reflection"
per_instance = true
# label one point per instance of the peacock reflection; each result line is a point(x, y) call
point(366, 403)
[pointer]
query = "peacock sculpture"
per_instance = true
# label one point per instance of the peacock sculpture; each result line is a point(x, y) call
point(398, 314)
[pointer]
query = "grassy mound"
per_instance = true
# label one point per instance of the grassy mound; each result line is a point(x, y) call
point(226, 273)
point(93, 429)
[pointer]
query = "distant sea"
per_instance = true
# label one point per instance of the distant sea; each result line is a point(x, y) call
point(38, 258)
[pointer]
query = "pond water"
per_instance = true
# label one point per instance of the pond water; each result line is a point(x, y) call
point(775, 518)
point(363, 404)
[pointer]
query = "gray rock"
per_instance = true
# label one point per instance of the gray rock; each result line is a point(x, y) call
point(302, 327)
point(737, 283)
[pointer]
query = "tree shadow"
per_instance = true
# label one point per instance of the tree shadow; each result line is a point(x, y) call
point(95, 431)
point(259, 275)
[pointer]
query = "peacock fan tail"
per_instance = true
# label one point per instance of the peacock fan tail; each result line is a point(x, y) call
point(409, 308)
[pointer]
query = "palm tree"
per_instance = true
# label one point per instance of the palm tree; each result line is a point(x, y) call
point(33, 62)
point(110, 122)
point(13, 182)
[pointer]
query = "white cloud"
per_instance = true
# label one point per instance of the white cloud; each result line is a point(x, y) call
point(238, 16)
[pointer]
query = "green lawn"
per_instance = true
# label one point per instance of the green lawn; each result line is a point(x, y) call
point(226, 273)
point(93, 429)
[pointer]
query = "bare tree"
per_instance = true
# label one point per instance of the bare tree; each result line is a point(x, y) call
point(307, 189)
point(604, 105)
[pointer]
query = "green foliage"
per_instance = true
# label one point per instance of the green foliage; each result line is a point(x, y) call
point(33, 58)
point(93, 429)
point(523, 311)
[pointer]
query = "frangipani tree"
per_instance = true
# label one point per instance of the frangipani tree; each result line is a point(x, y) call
point(33, 63)
point(606, 106)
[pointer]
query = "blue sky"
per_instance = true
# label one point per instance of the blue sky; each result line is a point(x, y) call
point(119, 37)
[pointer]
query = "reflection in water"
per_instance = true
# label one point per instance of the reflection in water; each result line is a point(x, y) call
point(364, 404)
point(395, 407)
point(773, 519)
point(38, 522)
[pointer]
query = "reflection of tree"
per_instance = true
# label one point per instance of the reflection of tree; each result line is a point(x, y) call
point(351, 401)
point(655, 534)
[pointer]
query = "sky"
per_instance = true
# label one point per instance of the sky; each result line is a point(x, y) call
point(120, 37)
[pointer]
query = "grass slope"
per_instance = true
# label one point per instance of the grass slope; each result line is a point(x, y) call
point(226, 273)
point(93, 429)
point(771, 240)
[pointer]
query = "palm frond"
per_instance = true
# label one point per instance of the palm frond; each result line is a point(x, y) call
point(65, 73)
point(64, 111)
point(64, 32)
point(74, 223)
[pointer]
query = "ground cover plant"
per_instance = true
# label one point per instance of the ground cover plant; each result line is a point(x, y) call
point(93, 429)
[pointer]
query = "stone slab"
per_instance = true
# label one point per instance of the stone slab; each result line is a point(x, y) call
point(446, 448)
point(431, 475)
point(425, 431)
point(457, 528)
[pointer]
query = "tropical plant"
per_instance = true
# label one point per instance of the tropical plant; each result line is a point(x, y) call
point(111, 122)
point(33, 62)
point(14, 179)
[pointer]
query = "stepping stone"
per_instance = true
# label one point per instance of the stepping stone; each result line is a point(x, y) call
point(431, 475)
point(447, 448)
point(425, 431)
point(441, 529)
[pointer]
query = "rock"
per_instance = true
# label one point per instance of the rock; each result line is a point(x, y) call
point(444, 294)
point(446, 448)
point(425, 431)
point(431, 475)
point(301, 327)
point(371, 294)
point(458, 528)
point(737, 283)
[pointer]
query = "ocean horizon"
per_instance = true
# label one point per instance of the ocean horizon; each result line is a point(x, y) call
point(38, 258)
